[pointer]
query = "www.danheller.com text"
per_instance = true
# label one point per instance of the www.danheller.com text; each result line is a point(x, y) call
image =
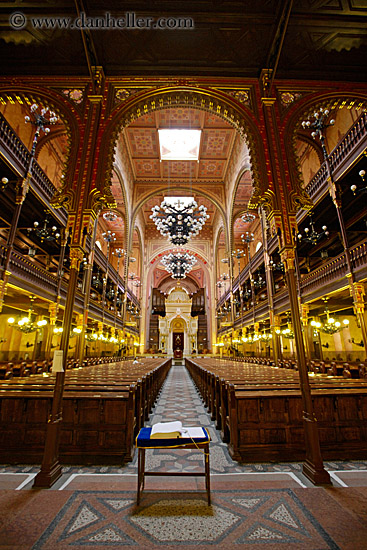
point(174, 430)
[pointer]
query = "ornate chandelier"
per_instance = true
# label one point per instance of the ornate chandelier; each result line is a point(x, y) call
point(26, 324)
point(331, 325)
point(43, 231)
point(178, 264)
point(311, 235)
point(179, 220)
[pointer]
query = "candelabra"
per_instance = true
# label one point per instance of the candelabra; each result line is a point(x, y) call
point(318, 125)
point(248, 217)
point(97, 282)
point(276, 266)
point(331, 325)
point(119, 253)
point(311, 235)
point(109, 216)
point(43, 231)
point(40, 121)
point(179, 220)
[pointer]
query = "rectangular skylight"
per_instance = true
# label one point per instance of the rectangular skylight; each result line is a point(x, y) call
point(179, 144)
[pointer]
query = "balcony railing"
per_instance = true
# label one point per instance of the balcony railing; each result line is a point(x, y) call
point(19, 156)
point(344, 153)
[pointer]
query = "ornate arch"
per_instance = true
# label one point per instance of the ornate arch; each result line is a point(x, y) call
point(292, 121)
point(212, 101)
point(24, 92)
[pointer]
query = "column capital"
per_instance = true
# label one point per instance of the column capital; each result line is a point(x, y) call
point(76, 256)
point(287, 256)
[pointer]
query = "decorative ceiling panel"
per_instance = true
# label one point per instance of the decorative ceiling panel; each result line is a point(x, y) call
point(211, 169)
point(145, 120)
point(178, 117)
point(143, 142)
point(230, 38)
point(146, 168)
point(178, 168)
point(215, 121)
point(215, 143)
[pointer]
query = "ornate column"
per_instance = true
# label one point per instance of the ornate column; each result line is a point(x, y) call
point(51, 468)
point(275, 331)
point(283, 200)
point(357, 291)
point(269, 285)
point(88, 272)
point(83, 199)
point(80, 339)
point(306, 329)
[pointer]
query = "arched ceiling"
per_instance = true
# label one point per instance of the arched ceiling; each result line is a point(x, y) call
point(206, 179)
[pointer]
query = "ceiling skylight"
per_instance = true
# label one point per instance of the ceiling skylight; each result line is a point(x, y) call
point(179, 144)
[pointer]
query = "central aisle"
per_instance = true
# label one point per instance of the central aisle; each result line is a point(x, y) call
point(179, 400)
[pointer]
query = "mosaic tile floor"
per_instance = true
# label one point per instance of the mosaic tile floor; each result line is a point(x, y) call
point(271, 506)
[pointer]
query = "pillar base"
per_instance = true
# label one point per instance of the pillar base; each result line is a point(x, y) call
point(46, 478)
point(318, 476)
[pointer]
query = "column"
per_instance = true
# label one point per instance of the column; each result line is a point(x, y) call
point(283, 199)
point(83, 199)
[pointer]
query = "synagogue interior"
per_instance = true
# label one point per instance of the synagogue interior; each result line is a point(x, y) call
point(192, 196)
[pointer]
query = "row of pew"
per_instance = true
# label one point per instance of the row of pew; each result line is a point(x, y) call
point(346, 369)
point(258, 409)
point(104, 407)
point(10, 369)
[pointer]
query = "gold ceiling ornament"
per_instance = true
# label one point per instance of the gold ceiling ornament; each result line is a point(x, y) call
point(75, 94)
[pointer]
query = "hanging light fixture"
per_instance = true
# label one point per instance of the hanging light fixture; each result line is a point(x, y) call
point(179, 220)
point(311, 235)
point(331, 325)
point(43, 230)
point(248, 217)
point(178, 264)
point(25, 324)
point(109, 216)
point(355, 190)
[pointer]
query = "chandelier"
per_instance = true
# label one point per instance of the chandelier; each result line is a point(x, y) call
point(311, 235)
point(248, 217)
point(110, 216)
point(44, 232)
point(331, 325)
point(25, 324)
point(178, 264)
point(179, 220)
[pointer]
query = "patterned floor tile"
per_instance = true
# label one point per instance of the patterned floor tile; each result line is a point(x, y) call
point(237, 517)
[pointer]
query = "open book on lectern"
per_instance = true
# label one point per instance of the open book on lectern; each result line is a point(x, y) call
point(174, 430)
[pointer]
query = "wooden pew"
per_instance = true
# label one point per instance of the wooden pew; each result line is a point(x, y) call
point(103, 408)
point(238, 390)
